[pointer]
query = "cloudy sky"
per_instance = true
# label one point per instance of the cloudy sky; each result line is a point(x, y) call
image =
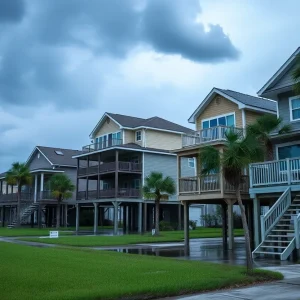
point(64, 63)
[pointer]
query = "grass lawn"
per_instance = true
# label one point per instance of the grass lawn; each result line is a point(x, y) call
point(66, 274)
point(165, 236)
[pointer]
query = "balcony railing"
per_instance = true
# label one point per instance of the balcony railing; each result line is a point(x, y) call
point(209, 135)
point(209, 184)
point(102, 145)
point(111, 167)
point(25, 196)
point(110, 193)
point(277, 172)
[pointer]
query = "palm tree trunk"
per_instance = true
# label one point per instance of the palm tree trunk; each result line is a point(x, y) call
point(19, 207)
point(58, 212)
point(246, 232)
point(156, 217)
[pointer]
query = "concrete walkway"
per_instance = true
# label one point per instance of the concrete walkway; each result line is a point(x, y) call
point(288, 288)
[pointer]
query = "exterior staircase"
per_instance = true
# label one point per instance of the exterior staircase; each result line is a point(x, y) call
point(27, 211)
point(280, 228)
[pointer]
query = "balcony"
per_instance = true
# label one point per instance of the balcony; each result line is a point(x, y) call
point(102, 145)
point(111, 193)
point(27, 196)
point(275, 173)
point(121, 166)
point(207, 184)
point(209, 135)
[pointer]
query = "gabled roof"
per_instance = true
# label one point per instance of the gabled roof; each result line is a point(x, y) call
point(55, 159)
point(129, 122)
point(242, 100)
point(280, 73)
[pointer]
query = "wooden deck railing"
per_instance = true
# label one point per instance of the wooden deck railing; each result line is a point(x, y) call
point(277, 172)
point(25, 196)
point(110, 193)
point(210, 183)
point(208, 135)
point(123, 166)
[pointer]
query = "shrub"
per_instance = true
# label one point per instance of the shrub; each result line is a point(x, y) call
point(193, 224)
point(166, 226)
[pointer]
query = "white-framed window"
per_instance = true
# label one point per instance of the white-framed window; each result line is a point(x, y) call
point(295, 108)
point(221, 120)
point(138, 136)
point(191, 162)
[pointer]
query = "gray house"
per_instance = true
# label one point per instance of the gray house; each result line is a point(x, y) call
point(43, 162)
point(112, 170)
point(277, 183)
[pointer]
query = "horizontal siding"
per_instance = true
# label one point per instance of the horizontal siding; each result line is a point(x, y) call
point(220, 106)
point(72, 174)
point(165, 164)
point(163, 140)
point(285, 81)
point(109, 126)
point(39, 162)
point(187, 171)
point(251, 116)
point(129, 136)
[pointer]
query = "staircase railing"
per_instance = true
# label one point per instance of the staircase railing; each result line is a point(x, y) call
point(269, 220)
point(297, 230)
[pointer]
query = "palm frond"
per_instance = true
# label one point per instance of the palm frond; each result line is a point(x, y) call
point(209, 158)
point(61, 186)
point(18, 174)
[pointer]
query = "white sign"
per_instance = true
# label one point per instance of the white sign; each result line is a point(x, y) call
point(153, 231)
point(53, 234)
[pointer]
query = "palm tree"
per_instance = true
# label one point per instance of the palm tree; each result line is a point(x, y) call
point(158, 187)
point(18, 175)
point(62, 188)
point(238, 153)
point(296, 76)
point(262, 129)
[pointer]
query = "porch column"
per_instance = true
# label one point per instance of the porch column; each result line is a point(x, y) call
point(42, 185)
point(39, 216)
point(256, 221)
point(1, 187)
point(224, 225)
point(117, 174)
point(77, 217)
point(186, 228)
point(3, 216)
point(179, 217)
point(145, 217)
point(6, 188)
point(178, 173)
point(77, 180)
point(66, 215)
point(116, 225)
point(35, 187)
point(127, 219)
point(96, 218)
point(140, 218)
point(230, 223)
point(98, 177)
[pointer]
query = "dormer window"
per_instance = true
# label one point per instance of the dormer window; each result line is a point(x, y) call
point(295, 108)
point(138, 136)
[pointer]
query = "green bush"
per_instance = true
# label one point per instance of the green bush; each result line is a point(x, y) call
point(193, 224)
point(167, 226)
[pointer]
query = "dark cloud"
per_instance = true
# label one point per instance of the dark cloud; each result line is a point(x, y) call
point(33, 56)
point(11, 10)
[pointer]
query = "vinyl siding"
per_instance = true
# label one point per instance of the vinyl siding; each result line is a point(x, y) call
point(251, 116)
point(220, 106)
point(108, 127)
point(163, 140)
point(186, 171)
point(129, 136)
point(285, 81)
point(284, 110)
point(39, 163)
point(165, 164)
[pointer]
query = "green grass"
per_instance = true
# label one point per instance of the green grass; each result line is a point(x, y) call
point(67, 274)
point(165, 236)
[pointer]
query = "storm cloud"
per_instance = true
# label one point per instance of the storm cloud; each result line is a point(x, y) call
point(36, 46)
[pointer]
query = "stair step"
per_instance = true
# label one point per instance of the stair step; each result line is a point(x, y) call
point(285, 230)
point(283, 225)
point(280, 235)
point(276, 241)
point(264, 252)
point(275, 247)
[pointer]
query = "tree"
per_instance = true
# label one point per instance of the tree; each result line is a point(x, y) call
point(237, 154)
point(18, 175)
point(296, 76)
point(262, 129)
point(61, 187)
point(158, 187)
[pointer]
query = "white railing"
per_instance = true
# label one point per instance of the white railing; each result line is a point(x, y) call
point(277, 172)
point(270, 219)
point(297, 230)
point(209, 135)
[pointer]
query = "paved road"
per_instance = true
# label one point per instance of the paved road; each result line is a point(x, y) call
point(287, 289)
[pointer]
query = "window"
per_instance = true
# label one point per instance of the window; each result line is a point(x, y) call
point(136, 184)
point(191, 162)
point(225, 120)
point(58, 152)
point(108, 140)
point(138, 136)
point(295, 108)
point(291, 151)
